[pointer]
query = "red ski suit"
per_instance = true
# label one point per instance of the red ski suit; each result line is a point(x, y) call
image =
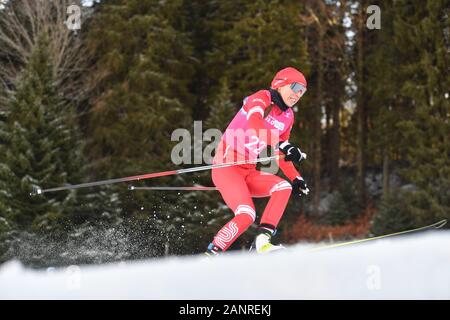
point(245, 137)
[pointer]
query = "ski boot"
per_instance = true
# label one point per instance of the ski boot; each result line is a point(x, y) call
point(262, 244)
point(212, 251)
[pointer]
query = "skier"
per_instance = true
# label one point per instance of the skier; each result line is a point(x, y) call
point(266, 118)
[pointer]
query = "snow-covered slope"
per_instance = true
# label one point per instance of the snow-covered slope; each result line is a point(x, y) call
point(410, 267)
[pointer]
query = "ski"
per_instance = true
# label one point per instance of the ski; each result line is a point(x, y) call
point(435, 225)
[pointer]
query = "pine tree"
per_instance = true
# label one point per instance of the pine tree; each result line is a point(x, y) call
point(143, 75)
point(252, 43)
point(384, 106)
point(40, 147)
point(144, 92)
point(423, 45)
point(222, 109)
point(414, 125)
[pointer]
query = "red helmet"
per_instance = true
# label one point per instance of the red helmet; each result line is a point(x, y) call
point(287, 76)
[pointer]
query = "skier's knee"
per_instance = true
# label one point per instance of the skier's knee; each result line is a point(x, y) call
point(247, 210)
point(281, 186)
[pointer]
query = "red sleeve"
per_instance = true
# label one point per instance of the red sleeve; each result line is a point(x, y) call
point(287, 167)
point(257, 103)
point(255, 106)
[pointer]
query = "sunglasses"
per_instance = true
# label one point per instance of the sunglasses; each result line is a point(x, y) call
point(297, 87)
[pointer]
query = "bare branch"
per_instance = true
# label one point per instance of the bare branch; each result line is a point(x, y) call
point(21, 24)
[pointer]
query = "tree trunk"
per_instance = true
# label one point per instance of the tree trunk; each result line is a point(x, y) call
point(335, 145)
point(385, 173)
point(360, 108)
point(317, 124)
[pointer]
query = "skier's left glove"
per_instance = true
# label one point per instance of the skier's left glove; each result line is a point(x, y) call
point(292, 153)
point(299, 187)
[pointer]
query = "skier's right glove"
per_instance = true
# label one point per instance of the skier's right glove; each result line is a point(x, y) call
point(291, 152)
point(299, 187)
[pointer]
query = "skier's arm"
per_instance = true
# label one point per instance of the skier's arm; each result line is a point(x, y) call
point(299, 186)
point(287, 167)
point(255, 107)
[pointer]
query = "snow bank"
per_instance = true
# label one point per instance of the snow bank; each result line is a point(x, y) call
point(409, 267)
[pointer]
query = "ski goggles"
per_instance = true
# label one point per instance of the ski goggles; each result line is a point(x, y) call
point(298, 87)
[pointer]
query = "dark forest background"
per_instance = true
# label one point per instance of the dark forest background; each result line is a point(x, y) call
point(102, 101)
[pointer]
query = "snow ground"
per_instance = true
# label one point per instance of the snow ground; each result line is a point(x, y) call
point(408, 267)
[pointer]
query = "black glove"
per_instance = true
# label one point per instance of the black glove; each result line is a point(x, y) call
point(292, 153)
point(299, 187)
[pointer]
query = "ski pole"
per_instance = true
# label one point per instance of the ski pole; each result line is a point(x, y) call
point(38, 190)
point(195, 188)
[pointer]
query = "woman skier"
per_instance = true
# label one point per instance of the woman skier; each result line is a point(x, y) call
point(266, 118)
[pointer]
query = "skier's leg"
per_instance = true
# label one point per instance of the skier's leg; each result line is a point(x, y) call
point(262, 185)
point(230, 182)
